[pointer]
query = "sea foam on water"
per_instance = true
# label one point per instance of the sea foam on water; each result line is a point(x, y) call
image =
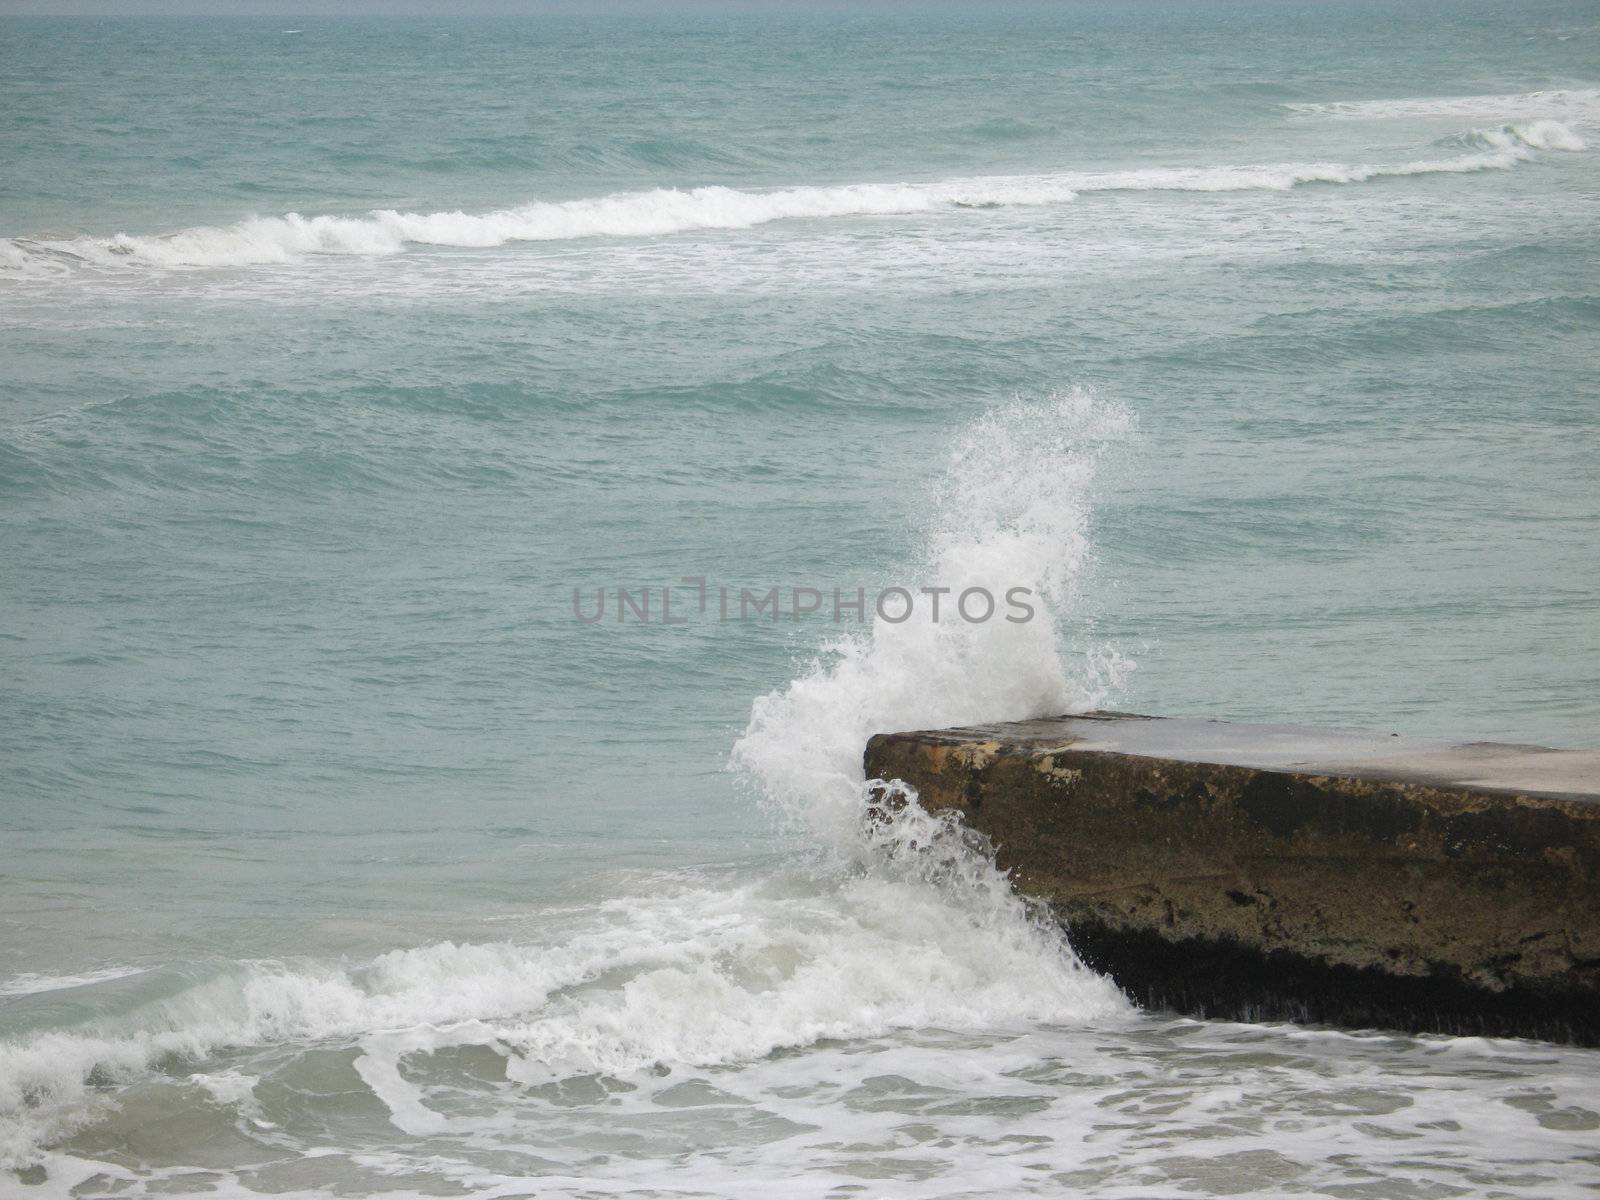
point(262, 241)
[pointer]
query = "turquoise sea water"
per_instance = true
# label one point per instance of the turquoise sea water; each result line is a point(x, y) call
point(338, 857)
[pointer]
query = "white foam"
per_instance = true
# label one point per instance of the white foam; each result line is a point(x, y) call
point(1534, 135)
point(735, 973)
point(1011, 509)
point(45, 1080)
point(1569, 104)
point(1498, 149)
point(661, 212)
point(33, 984)
point(698, 975)
point(265, 240)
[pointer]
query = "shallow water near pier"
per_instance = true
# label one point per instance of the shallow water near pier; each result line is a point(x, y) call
point(340, 856)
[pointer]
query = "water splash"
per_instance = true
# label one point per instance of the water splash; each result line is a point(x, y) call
point(907, 924)
point(1011, 509)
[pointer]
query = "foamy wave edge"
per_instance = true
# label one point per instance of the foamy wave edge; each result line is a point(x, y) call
point(262, 241)
point(1568, 104)
point(695, 976)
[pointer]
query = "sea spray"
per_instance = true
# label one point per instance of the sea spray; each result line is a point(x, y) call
point(1010, 508)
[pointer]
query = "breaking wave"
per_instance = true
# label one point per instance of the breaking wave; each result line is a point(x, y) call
point(1562, 104)
point(900, 923)
point(660, 212)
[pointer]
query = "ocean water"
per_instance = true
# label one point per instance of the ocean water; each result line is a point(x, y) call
point(340, 856)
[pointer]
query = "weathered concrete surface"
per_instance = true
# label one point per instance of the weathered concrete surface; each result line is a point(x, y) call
point(1267, 872)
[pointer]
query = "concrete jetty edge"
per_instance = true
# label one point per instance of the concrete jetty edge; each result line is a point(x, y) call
point(1261, 872)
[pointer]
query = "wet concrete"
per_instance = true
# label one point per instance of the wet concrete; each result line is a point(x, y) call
point(1270, 872)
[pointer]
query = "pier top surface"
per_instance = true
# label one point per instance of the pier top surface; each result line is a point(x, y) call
point(1483, 766)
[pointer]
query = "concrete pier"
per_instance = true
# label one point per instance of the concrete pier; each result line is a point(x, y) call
point(1275, 873)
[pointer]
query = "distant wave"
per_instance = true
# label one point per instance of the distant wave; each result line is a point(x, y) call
point(33, 985)
point(267, 240)
point(1571, 104)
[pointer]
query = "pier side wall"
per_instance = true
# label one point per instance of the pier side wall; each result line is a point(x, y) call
point(1367, 895)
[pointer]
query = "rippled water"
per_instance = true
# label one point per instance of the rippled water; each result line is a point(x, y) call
point(339, 858)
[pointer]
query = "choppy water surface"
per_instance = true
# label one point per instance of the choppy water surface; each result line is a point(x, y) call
point(340, 859)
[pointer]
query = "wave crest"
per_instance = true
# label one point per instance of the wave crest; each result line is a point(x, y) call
point(1568, 104)
point(262, 241)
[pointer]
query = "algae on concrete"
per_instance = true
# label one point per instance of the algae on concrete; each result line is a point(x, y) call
point(1266, 872)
